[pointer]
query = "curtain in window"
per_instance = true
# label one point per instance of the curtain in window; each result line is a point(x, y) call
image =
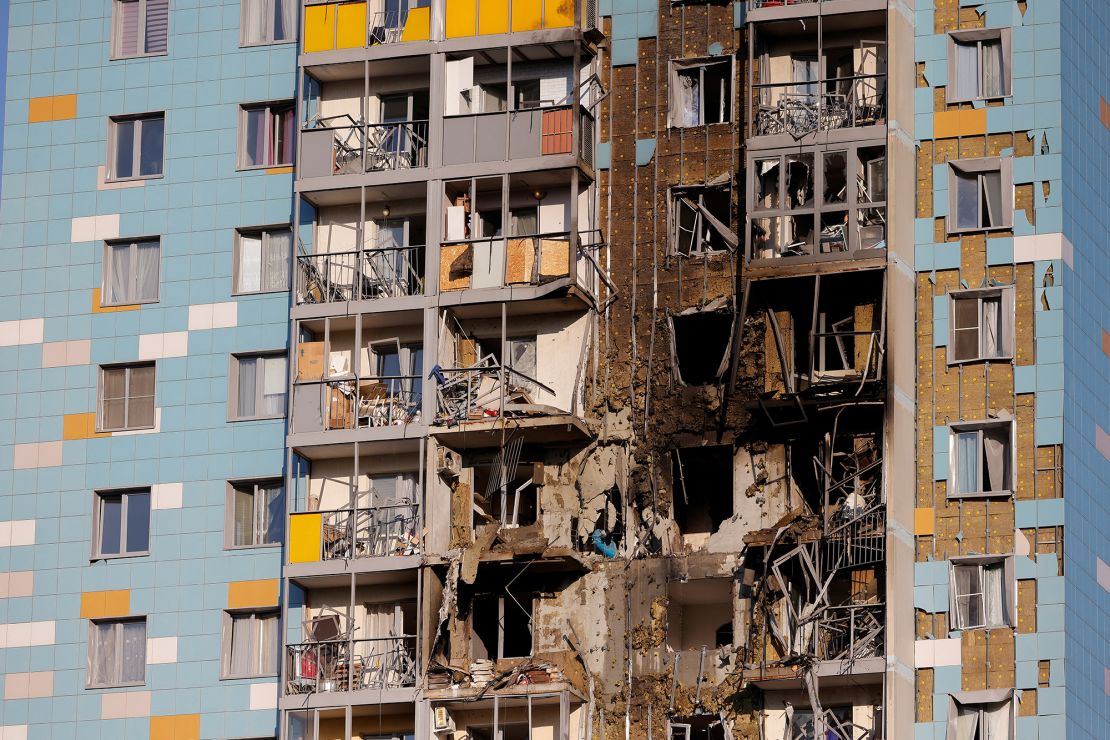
point(119, 274)
point(102, 656)
point(254, 145)
point(240, 663)
point(273, 386)
point(967, 722)
point(380, 621)
point(967, 458)
point(285, 20)
point(267, 643)
point(689, 99)
point(255, 15)
point(124, 161)
point(278, 247)
point(805, 77)
point(249, 279)
point(992, 199)
point(994, 455)
point(994, 70)
point(994, 595)
point(281, 145)
point(113, 413)
point(111, 518)
point(133, 665)
point(150, 146)
point(968, 596)
point(967, 71)
point(243, 505)
point(140, 402)
point(992, 327)
point(274, 512)
point(157, 25)
point(148, 255)
point(406, 491)
point(248, 387)
point(385, 490)
point(127, 28)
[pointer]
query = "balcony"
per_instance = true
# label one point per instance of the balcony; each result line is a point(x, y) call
point(366, 274)
point(353, 25)
point(356, 402)
point(499, 262)
point(799, 113)
point(329, 666)
point(354, 533)
point(522, 134)
point(340, 145)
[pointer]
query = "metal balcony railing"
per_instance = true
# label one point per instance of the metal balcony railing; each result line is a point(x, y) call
point(857, 542)
point(386, 27)
point(356, 146)
point(357, 402)
point(803, 108)
point(369, 532)
point(476, 393)
point(851, 632)
point(365, 274)
point(845, 356)
point(349, 665)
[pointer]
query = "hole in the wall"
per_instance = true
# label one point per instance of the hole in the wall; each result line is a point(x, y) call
point(701, 341)
point(701, 488)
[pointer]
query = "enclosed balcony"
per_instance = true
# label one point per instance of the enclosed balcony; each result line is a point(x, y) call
point(330, 26)
point(816, 78)
point(357, 373)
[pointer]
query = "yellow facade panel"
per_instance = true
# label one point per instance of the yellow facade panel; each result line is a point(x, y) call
point(81, 426)
point(103, 604)
point(97, 307)
point(493, 16)
point(319, 27)
point(350, 23)
point(528, 15)
point(558, 14)
point(304, 538)
point(248, 594)
point(461, 18)
point(417, 25)
point(52, 108)
point(924, 521)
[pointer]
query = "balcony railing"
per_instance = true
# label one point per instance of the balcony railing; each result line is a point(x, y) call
point(349, 25)
point(476, 393)
point(798, 109)
point(859, 541)
point(547, 129)
point(844, 356)
point(365, 274)
point(780, 3)
point(350, 665)
point(368, 532)
point(501, 261)
point(798, 233)
point(340, 145)
point(356, 403)
point(849, 633)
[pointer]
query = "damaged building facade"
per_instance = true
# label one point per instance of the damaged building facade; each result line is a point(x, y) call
point(649, 369)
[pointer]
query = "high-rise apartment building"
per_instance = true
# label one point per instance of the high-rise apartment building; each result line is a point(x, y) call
point(555, 370)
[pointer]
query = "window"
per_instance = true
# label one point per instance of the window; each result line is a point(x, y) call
point(501, 626)
point(982, 462)
point(701, 489)
point(117, 653)
point(981, 325)
point(250, 644)
point(268, 21)
point(803, 725)
point(697, 727)
point(266, 135)
point(700, 218)
point(980, 194)
point(255, 513)
point(140, 28)
point(258, 384)
point(262, 260)
point(981, 720)
point(135, 146)
point(126, 397)
point(701, 92)
point(701, 342)
point(981, 593)
point(131, 271)
point(122, 523)
point(978, 64)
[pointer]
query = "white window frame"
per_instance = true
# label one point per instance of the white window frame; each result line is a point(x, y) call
point(978, 36)
point(133, 277)
point(128, 368)
point(113, 139)
point(140, 42)
point(228, 632)
point(258, 529)
point(93, 646)
point(1005, 296)
point(1009, 457)
point(1009, 591)
point(98, 522)
point(980, 167)
point(259, 385)
point(971, 698)
point(264, 233)
point(680, 66)
point(243, 23)
point(270, 106)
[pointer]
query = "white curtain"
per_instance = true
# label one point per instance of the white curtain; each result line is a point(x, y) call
point(406, 490)
point(994, 454)
point(248, 386)
point(273, 512)
point(967, 70)
point(273, 386)
point(996, 718)
point(267, 636)
point(148, 255)
point(250, 263)
point(994, 595)
point(244, 516)
point(967, 722)
point(967, 462)
point(240, 645)
point(689, 99)
point(994, 70)
point(102, 660)
point(254, 21)
point(380, 621)
point(119, 273)
point(134, 651)
point(992, 327)
point(279, 246)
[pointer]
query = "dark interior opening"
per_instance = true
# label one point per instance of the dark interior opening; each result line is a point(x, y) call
point(701, 486)
point(506, 617)
point(700, 342)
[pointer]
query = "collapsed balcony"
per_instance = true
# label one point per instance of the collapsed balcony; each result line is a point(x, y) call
point(818, 75)
point(358, 372)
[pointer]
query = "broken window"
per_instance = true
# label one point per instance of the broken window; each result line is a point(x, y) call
point(980, 593)
point(980, 194)
point(982, 462)
point(697, 727)
point(981, 326)
point(701, 343)
point(701, 92)
point(700, 218)
point(501, 626)
point(978, 64)
point(508, 491)
point(701, 486)
point(802, 725)
point(986, 720)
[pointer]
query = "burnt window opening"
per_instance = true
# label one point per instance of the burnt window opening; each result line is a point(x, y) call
point(697, 727)
point(701, 486)
point(501, 626)
point(701, 343)
point(700, 218)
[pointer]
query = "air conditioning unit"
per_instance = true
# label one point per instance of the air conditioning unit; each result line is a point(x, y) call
point(448, 463)
point(441, 721)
